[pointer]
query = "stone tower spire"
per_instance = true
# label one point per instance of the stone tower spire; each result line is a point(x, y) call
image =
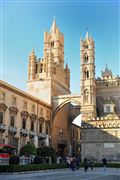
point(54, 42)
point(47, 76)
point(88, 85)
point(67, 70)
point(32, 66)
point(53, 27)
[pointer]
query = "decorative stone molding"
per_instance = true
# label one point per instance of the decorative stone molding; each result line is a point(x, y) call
point(33, 116)
point(3, 106)
point(48, 121)
point(41, 119)
point(13, 109)
point(24, 114)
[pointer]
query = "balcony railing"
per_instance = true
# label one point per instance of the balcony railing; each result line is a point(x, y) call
point(12, 130)
point(48, 136)
point(24, 132)
point(32, 134)
point(41, 135)
point(2, 127)
point(61, 141)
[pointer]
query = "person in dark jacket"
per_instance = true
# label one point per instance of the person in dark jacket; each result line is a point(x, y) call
point(104, 161)
point(85, 164)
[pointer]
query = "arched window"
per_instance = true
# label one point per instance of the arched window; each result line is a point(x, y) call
point(87, 74)
point(32, 125)
point(54, 69)
point(1, 117)
point(40, 127)
point(24, 123)
point(86, 58)
point(52, 44)
point(12, 120)
point(41, 68)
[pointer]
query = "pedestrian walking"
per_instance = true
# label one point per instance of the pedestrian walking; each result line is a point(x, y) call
point(104, 161)
point(91, 164)
point(85, 164)
point(77, 162)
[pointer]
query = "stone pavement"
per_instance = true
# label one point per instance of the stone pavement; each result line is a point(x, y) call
point(66, 174)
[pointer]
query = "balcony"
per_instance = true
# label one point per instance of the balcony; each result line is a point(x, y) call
point(48, 136)
point(32, 134)
point(41, 136)
point(61, 143)
point(12, 130)
point(24, 132)
point(2, 128)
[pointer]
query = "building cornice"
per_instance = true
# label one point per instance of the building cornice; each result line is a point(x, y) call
point(23, 94)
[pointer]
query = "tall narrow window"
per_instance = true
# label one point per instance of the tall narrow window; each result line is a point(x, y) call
point(32, 126)
point(52, 44)
point(40, 127)
point(33, 108)
point(13, 101)
point(87, 74)
point(47, 130)
point(47, 114)
point(41, 68)
point(1, 117)
point(24, 123)
point(2, 96)
point(25, 105)
point(12, 120)
point(36, 68)
point(41, 111)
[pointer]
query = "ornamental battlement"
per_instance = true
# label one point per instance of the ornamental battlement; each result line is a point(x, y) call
point(107, 79)
point(108, 83)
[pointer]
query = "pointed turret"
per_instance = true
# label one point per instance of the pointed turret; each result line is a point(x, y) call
point(53, 27)
point(33, 52)
point(32, 65)
point(87, 35)
point(66, 67)
point(107, 74)
point(54, 41)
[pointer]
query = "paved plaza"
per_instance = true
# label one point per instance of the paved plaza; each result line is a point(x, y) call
point(66, 174)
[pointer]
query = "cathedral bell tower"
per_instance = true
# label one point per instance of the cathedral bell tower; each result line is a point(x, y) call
point(88, 83)
point(54, 42)
point(47, 76)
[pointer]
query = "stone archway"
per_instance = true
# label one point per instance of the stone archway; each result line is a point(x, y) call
point(63, 104)
point(63, 115)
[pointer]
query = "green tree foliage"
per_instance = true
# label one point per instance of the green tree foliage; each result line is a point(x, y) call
point(46, 151)
point(28, 150)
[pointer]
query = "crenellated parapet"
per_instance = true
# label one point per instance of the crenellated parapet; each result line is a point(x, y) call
point(115, 82)
point(107, 120)
point(107, 80)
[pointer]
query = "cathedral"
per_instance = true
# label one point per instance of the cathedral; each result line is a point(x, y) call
point(45, 113)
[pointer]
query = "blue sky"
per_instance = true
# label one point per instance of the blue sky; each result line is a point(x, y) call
point(23, 24)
